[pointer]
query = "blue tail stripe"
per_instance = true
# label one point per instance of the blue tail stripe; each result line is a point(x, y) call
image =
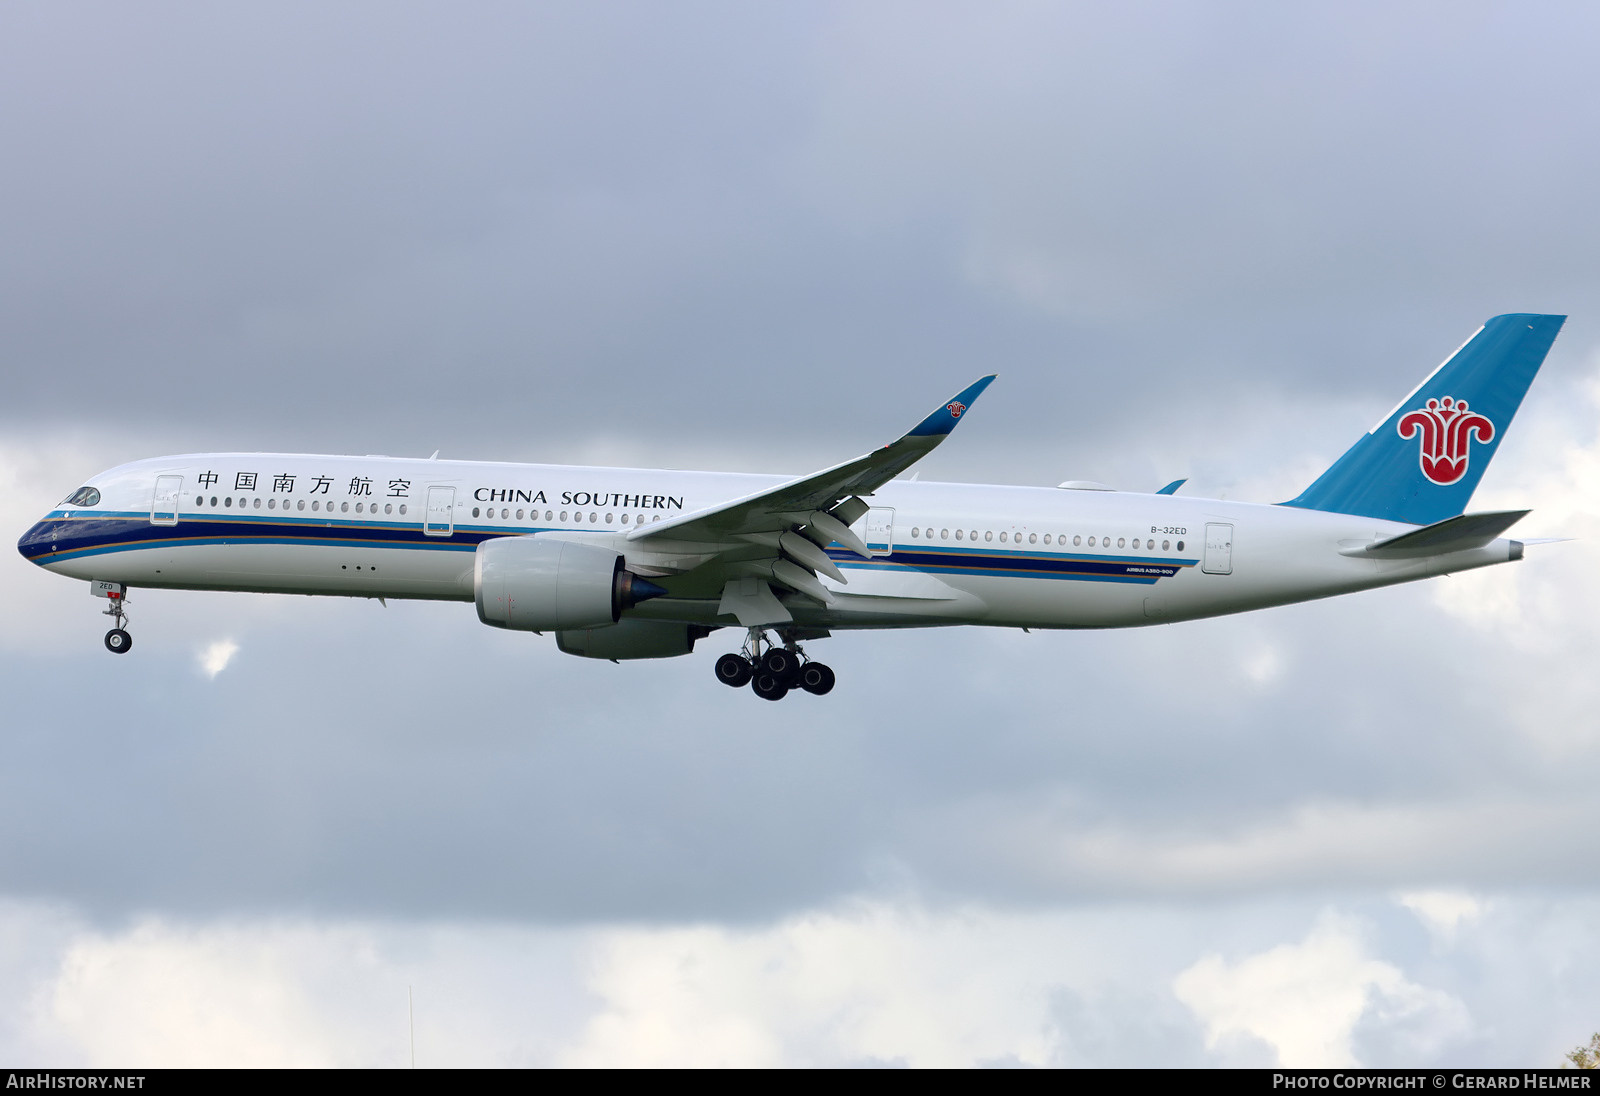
point(1389, 474)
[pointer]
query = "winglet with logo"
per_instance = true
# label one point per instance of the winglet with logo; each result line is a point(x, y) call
point(944, 420)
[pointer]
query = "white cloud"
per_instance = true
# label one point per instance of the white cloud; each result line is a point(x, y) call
point(1442, 911)
point(1305, 1000)
point(1263, 666)
point(868, 981)
point(215, 656)
point(162, 995)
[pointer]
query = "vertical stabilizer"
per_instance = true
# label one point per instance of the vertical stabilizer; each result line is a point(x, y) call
point(1422, 463)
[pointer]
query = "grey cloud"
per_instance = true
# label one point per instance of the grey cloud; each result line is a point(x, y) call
point(368, 229)
point(410, 760)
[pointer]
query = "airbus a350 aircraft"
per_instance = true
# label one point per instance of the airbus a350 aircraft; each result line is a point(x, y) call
point(627, 563)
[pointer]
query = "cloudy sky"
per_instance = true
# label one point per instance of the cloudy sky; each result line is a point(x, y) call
point(1207, 240)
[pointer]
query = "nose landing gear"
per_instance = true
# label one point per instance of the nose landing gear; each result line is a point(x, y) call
point(118, 641)
point(771, 670)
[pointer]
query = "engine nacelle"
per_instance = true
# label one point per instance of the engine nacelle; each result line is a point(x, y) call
point(533, 584)
point(633, 639)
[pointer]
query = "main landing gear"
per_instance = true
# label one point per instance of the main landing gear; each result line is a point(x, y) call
point(771, 671)
point(118, 641)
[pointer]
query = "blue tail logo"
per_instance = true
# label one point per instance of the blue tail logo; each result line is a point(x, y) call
point(1423, 461)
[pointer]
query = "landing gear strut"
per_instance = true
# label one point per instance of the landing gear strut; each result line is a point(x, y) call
point(772, 670)
point(118, 641)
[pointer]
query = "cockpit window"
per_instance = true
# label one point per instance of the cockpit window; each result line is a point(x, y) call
point(83, 496)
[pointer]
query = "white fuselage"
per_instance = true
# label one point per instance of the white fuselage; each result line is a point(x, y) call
point(943, 553)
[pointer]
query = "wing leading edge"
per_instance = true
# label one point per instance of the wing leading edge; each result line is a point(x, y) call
point(793, 503)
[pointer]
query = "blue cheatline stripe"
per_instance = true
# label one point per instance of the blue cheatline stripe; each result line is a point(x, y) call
point(1076, 566)
point(80, 535)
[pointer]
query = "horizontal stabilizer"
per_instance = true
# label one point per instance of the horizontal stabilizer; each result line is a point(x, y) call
point(1457, 534)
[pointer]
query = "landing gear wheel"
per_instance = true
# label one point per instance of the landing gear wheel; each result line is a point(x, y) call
point(734, 670)
point(816, 678)
point(769, 687)
point(118, 642)
point(782, 664)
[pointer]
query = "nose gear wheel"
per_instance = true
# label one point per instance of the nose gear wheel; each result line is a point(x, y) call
point(118, 641)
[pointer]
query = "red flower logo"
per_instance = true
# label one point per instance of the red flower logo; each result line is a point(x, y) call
point(1446, 429)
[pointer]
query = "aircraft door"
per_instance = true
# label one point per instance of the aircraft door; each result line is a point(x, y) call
point(878, 530)
point(164, 504)
point(440, 519)
point(1219, 550)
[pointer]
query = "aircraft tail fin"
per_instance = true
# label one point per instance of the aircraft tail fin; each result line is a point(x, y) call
point(1422, 463)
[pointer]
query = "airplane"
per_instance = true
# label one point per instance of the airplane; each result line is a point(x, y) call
point(628, 563)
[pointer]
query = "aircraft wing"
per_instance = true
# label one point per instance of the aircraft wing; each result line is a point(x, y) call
point(778, 537)
point(787, 505)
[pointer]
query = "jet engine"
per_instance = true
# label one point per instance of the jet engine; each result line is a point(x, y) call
point(534, 584)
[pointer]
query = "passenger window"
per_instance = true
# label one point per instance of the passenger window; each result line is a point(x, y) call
point(388, 508)
point(474, 511)
point(358, 508)
point(1180, 546)
point(1077, 540)
point(1119, 542)
point(228, 501)
point(563, 515)
point(915, 532)
point(1091, 542)
point(301, 505)
point(1047, 538)
point(988, 534)
point(344, 507)
point(1166, 545)
point(593, 517)
point(944, 534)
point(272, 504)
point(1002, 538)
point(958, 534)
point(402, 507)
point(1033, 538)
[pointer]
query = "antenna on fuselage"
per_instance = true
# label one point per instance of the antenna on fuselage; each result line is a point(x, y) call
point(435, 455)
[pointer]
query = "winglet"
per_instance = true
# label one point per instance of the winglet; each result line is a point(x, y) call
point(1172, 488)
point(945, 418)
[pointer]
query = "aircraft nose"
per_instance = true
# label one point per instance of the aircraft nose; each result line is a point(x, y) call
point(38, 542)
